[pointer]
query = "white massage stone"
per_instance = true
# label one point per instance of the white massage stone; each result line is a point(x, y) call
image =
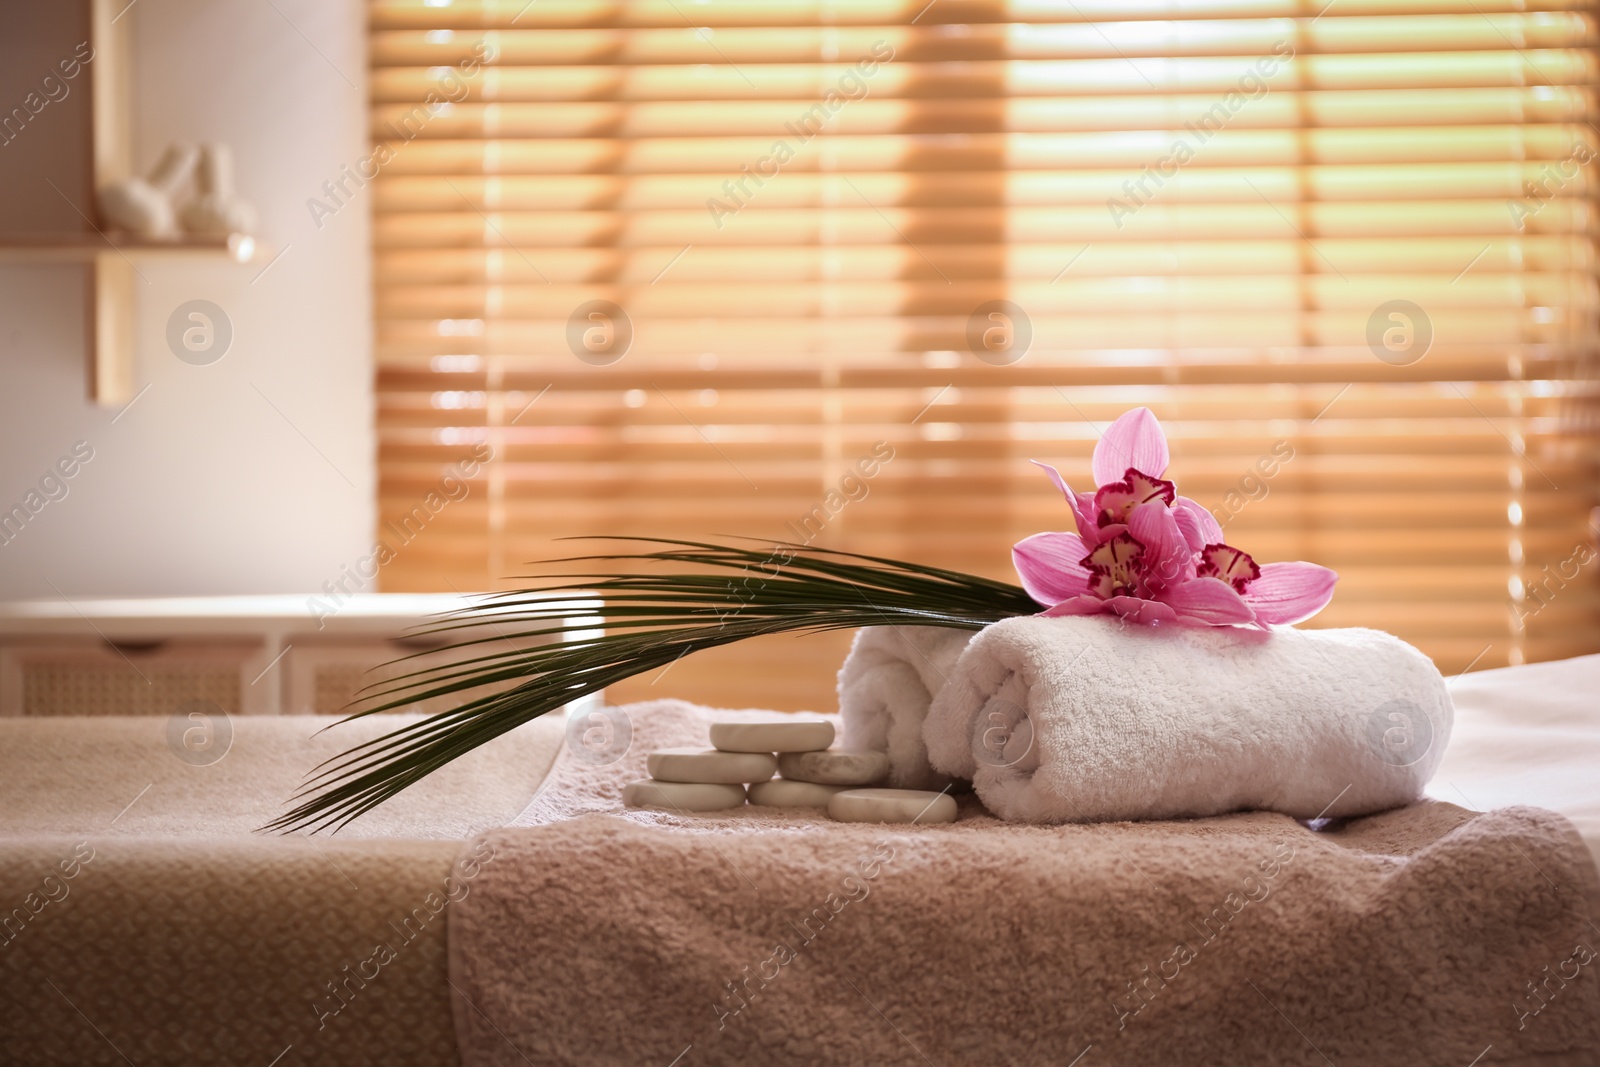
point(782, 793)
point(681, 796)
point(892, 805)
point(836, 766)
point(710, 766)
point(218, 209)
point(144, 205)
point(785, 734)
point(133, 204)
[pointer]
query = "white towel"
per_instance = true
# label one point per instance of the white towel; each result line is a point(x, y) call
point(885, 688)
point(1086, 718)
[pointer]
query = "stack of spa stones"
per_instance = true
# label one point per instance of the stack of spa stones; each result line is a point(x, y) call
point(748, 754)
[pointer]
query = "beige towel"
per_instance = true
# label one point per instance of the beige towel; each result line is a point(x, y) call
point(1409, 938)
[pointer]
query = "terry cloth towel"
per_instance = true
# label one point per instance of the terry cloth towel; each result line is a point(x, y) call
point(1415, 938)
point(885, 687)
point(1087, 718)
point(136, 893)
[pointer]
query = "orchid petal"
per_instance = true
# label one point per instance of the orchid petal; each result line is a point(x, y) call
point(1236, 568)
point(1208, 600)
point(1102, 534)
point(1116, 565)
point(1114, 501)
point(1136, 609)
point(1092, 532)
point(1055, 476)
point(1200, 528)
point(1080, 503)
point(1290, 592)
point(1134, 440)
point(1078, 605)
point(1189, 526)
point(1165, 549)
point(1050, 565)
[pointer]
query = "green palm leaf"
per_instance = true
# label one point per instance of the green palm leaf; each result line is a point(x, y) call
point(651, 620)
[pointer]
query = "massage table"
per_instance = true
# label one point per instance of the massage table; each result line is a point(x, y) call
point(188, 937)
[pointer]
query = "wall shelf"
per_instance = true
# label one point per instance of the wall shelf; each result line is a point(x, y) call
point(85, 247)
point(110, 257)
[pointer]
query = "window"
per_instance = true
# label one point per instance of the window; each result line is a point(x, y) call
point(835, 271)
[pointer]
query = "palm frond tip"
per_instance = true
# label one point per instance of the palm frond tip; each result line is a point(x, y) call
point(650, 619)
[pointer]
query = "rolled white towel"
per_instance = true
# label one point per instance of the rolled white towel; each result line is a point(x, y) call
point(1085, 718)
point(885, 688)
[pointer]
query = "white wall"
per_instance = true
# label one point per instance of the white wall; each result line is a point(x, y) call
point(201, 486)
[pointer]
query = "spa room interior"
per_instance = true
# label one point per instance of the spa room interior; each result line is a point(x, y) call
point(797, 532)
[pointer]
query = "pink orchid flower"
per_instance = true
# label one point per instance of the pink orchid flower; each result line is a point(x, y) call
point(1149, 555)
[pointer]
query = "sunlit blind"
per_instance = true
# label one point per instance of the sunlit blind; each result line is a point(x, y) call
point(834, 271)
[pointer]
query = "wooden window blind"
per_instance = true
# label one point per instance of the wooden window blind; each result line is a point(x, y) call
point(834, 271)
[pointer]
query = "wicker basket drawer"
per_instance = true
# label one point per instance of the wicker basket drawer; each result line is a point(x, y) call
point(323, 678)
point(81, 676)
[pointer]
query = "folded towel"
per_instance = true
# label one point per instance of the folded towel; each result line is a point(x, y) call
point(1086, 718)
point(603, 934)
point(885, 687)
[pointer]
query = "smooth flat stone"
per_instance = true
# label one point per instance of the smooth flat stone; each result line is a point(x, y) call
point(782, 793)
point(681, 796)
point(836, 766)
point(787, 734)
point(892, 805)
point(710, 766)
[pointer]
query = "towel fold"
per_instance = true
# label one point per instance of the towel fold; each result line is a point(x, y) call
point(885, 688)
point(1086, 718)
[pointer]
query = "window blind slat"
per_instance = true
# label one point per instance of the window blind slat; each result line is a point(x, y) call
point(1296, 151)
point(388, 14)
point(685, 43)
point(1102, 81)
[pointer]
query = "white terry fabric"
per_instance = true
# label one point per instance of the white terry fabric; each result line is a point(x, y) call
point(1086, 718)
point(1527, 735)
point(885, 688)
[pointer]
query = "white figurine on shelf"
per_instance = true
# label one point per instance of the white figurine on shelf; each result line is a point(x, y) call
point(218, 209)
point(144, 205)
